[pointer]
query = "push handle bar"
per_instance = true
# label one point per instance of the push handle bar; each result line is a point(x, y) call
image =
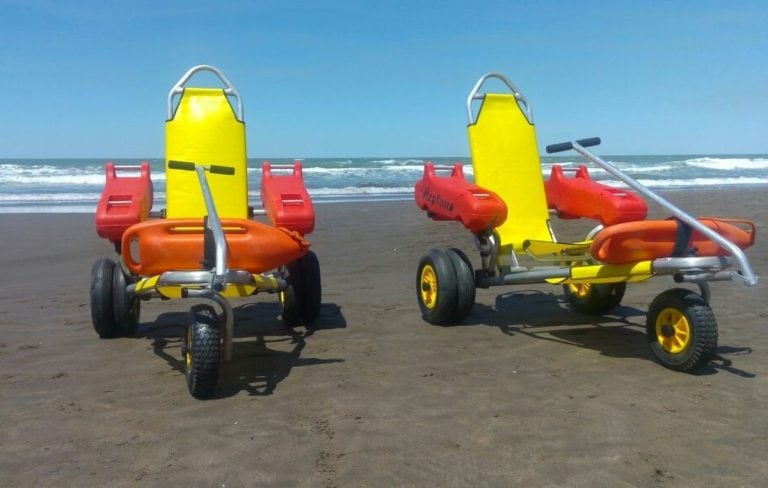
point(746, 275)
point(566, 146)
point(475, 94)
point(213, 168)
point(229, 89)
point(213, 223)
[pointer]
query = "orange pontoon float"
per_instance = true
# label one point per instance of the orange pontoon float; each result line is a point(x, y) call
point(205, 243)
point(508, 210)
point(455, 198)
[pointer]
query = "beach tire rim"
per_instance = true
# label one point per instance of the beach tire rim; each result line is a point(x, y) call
point(580, 290)
point(428, 288)
point(673, 331)
point(188, 351)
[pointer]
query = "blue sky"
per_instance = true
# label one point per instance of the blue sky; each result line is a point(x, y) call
point(388, 78)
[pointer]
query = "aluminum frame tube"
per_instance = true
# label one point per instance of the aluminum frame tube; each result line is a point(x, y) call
point(747, 275)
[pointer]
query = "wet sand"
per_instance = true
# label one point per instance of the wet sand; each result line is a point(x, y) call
point(524, 393)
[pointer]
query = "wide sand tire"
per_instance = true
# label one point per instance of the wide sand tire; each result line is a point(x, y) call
point(202, 352)
point(594, 298)
point(681, 330)
point(126, 308)
point(290, 298)
point(313, 289)
point(465, 284)
point(436, 288)
point(102, 308)
point(300, 302)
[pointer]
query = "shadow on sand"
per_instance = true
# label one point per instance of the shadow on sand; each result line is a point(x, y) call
point(264, 351)
point(621, 333)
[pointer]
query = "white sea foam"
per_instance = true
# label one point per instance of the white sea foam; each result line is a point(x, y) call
point(688, 183)
point(728, 163)
point(73, 186)
point(61, 179)
point(594, 170)
point(42, 175)
point(49, 197)
point(397, 162)
point(355, 190)
point(50, 209)
point(405, 168)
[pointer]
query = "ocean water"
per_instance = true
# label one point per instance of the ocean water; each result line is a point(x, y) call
point(74, 185)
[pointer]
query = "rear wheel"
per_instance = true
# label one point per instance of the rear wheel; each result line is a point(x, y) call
point(313, 294)
point(465, 284)
point(594, 298)
point(102, 307)
point(300, 301)
point(681, 330)
point(126, 307)
point(202, 352)
point(436, 288)
point(290, 297)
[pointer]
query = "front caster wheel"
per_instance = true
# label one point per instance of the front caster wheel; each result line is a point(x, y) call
point(202, 352)
point(681, 330)
point(594, 298)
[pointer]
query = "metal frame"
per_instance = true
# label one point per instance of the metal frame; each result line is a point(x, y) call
point(745, 275)
point(229, 89)
point(209, 284)
point(476, 95)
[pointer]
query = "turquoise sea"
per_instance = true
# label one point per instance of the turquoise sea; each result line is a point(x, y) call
point(74, 185)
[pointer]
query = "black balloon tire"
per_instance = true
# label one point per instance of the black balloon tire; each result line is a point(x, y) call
point(312, 294)
point(465, 285)
point(290, 298)
point(126, 308)
point(203, 353)
point(601, 298)
point(102, 306)
point(300, 302)
point(436, 276)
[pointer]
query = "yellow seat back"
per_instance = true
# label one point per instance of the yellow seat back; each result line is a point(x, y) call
point(204, 129)
point(505, 159)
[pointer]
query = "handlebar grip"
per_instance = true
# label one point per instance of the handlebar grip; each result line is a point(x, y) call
point(185, 165)
point(221, 170)
point(564, 146)
point(559, 147)
point(590, 141)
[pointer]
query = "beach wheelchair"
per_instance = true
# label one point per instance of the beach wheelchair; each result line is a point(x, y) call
point(508, 210)
point(205, 244)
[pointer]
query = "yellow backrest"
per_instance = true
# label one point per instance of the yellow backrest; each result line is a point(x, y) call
point(505, 159)
point(205, 130)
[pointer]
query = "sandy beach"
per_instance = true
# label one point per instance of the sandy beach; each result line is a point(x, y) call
point(524, 393)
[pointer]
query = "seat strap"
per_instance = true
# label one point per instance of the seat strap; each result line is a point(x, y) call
point(682, 238)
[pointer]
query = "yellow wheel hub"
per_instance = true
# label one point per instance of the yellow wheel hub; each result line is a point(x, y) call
point(428, 286)
point(188, 355)
point(673, 330)
point(580, 290)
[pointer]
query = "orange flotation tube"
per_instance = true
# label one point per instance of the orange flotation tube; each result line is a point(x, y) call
point(454, 198)
point(157, 246)
point(632, 242)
